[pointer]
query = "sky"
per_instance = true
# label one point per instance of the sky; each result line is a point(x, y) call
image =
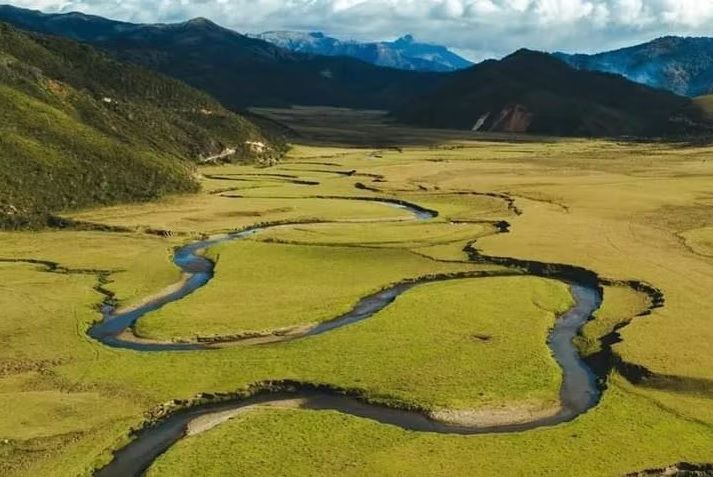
point(478, 29)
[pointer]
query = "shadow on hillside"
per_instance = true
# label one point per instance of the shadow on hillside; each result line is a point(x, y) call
point(682, 142)
point(679, 384)
point(372, 129)
point(369, 129)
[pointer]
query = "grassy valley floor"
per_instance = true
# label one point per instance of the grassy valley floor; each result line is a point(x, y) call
point(627, 211)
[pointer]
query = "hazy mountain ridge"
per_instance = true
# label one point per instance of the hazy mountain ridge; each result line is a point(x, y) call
point(405, 53)
point(679, 64)
point(238, 70)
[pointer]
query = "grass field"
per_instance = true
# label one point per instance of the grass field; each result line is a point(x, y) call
point(620, 305)
point(215, 214)
point(261, 287)
point(264, 443)
point(700, 240)
point(139, 264)
point(628, 211)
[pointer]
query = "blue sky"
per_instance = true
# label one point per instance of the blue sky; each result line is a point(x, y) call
point(477, 28)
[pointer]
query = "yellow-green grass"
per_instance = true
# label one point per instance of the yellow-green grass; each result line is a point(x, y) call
point(341, 186)
point(71, 454)
point(401, 235)
point(48, 355)
point(140, 264)
point(217, 185)
point(615, 209)
point(463, 207)
point(488, 351)
point(288, 179)
point(627, 249)
point(324, 179)
point(700, 240)
point(262, 286)
point(608, 441)
point(620, 305)
point(208, 213)
point(42, 325)
point(53, 412)
point(618, 209)
point(448, 252)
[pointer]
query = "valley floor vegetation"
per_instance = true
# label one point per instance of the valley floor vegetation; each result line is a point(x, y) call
point(631, 212)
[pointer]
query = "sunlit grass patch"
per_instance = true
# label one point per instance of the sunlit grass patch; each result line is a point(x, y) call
point(700, 240)
point(260, 286)
point(398, 235)
point(138, 264)
point(213, 214)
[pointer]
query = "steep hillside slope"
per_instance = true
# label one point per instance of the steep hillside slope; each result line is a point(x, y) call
point(681, 65)
point(405, 53)
point(535, 93)
point(239, 71)
point(78, 129)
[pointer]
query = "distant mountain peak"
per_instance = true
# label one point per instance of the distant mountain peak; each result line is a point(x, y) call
point(79, 15)
point(407, 39)
point(527, 58)
point(405, 53)
point(526, 52)
point(199, 21)
point(202, 22)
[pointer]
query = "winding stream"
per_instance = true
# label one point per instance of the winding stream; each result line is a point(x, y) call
point(579, 391)
point(115, 328)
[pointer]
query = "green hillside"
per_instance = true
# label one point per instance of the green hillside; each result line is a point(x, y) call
point(78, 129)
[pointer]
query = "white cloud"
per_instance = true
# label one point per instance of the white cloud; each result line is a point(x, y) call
point(479, 27)
point(693, 13)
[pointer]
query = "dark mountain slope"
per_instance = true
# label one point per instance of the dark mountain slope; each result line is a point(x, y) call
point(681, 65)
point(78, 129)
point(705, 106)
point(536, 93)
point(238, 70)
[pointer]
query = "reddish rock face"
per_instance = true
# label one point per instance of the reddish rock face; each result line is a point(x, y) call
point(514, 118)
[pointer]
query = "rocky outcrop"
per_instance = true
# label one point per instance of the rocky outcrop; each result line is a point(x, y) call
point(514, 118)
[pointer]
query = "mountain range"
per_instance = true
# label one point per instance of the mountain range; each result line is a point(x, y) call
point(242, 71)
point(533, 92)
point(237, 70)
point(405, 53)
point(681, 65)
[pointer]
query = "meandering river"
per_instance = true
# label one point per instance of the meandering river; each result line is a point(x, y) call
point(579, 391)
